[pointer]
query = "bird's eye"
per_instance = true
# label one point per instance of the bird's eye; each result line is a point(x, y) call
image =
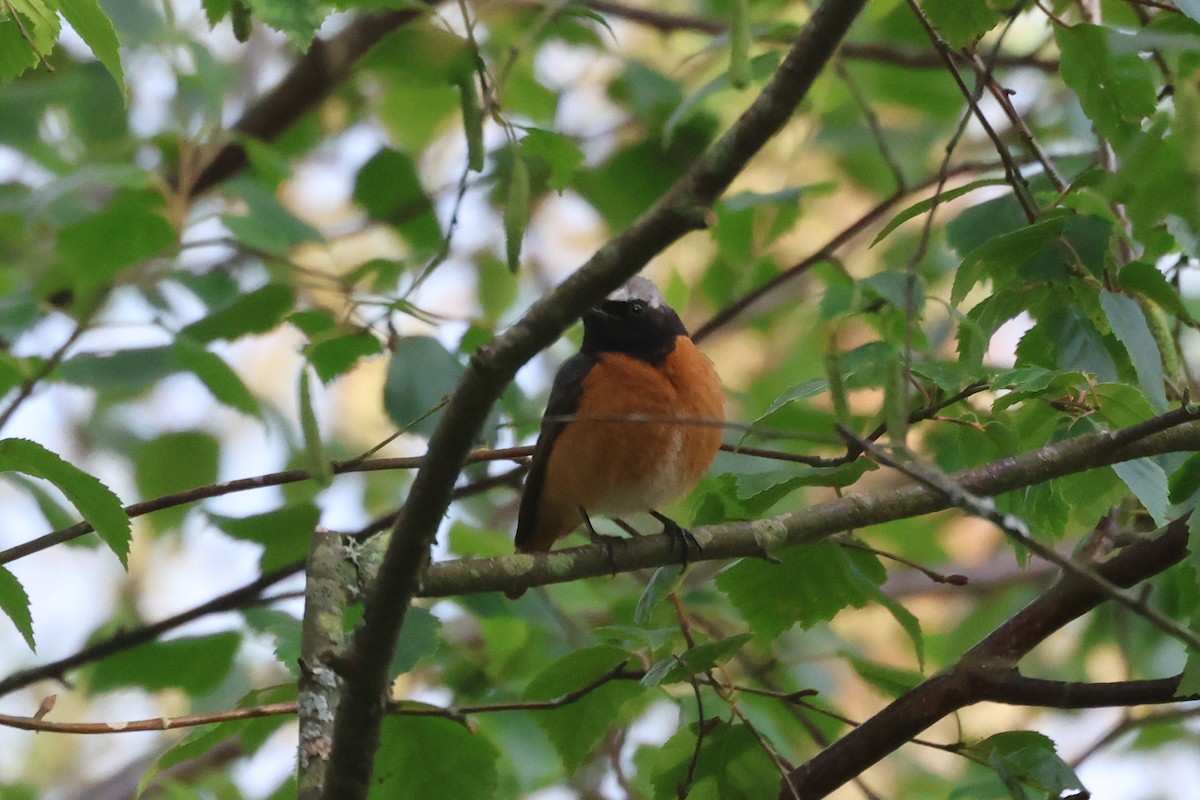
point(637, 307)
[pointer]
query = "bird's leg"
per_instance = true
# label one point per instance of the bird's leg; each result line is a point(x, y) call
point(679, 533)
point(601, 539)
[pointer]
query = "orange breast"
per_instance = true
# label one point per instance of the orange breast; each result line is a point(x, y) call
point(610, 464)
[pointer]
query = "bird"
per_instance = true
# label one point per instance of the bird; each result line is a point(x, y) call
point(607, 443)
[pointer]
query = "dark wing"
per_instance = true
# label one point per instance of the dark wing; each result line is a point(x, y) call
point(564, 401)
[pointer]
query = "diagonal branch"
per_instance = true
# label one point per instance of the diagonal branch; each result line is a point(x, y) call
point(682, 209)
point(988, 670)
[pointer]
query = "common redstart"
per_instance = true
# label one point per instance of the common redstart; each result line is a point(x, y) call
point(607, 444)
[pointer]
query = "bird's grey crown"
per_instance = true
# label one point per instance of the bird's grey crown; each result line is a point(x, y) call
point(638, 288)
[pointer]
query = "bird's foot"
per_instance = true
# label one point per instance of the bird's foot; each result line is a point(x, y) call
point(680, 534)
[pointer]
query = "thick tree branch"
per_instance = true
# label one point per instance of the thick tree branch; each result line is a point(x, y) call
point(855, 511)
point(988, 670)
point(680, 210)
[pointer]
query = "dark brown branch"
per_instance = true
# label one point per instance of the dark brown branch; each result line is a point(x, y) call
point(326, 64)
point(1015, 689)
point(989, 666)
point(682, 209)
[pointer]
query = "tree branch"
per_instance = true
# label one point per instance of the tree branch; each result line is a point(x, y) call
point(326, 64)
point(680, 210)
point(757, 538)
point(989, 667)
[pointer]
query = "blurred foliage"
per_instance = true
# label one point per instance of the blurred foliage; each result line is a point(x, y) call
point(468, 163)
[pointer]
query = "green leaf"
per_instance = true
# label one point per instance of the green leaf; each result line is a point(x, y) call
point(333, 355)
point(576, 728)
point(129, 230)
point(299, 19)
point(418, 638)
point(195, 664)
point(810, 584)
point(1148, 281)
point(559, 153)
point(516, 209)
point(122, 371)
point(916, 209)
point(731, 764)
point(267, 226)
point(14, 602)
point(1130, 327)
point(1025, 759)
point(217, 376)
point(420, 374)
point(426, 757)
point(1148, 481)
point(284, 629)
point(1004, 253)
point(95, 28)
point(1116, 91)
point(961, 22)
point(284, 533)
point(1185, 480)
point(95, 501)
point(30, 28)
point(694, 660)
point(1121, 405)
point(389, 189)
point(175, 462)
point(257, 312)
point(664, 581)
point(315, 458)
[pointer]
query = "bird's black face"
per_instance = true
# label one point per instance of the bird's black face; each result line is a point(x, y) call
point(640, 328)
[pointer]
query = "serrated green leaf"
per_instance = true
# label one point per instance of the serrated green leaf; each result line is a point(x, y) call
point(961, 22)
point(284, 629)
point(916, 209)
point(334, 355)
point(1025, 759)
point(284, 533)
point(810, 584)
point(315, 458)
point(694, 660)
point(195, 664)
point(299, 19)
point(412, 761)
point(14, 602)
point(577, 727)
point(1121, 405)
point(1130, 327)
point(418, 638)
point(560, 154)
point(175, 462)
point(256, 312)
point(217, 376)
point(95, 28)
point(95, 502)
point(1003, 253)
